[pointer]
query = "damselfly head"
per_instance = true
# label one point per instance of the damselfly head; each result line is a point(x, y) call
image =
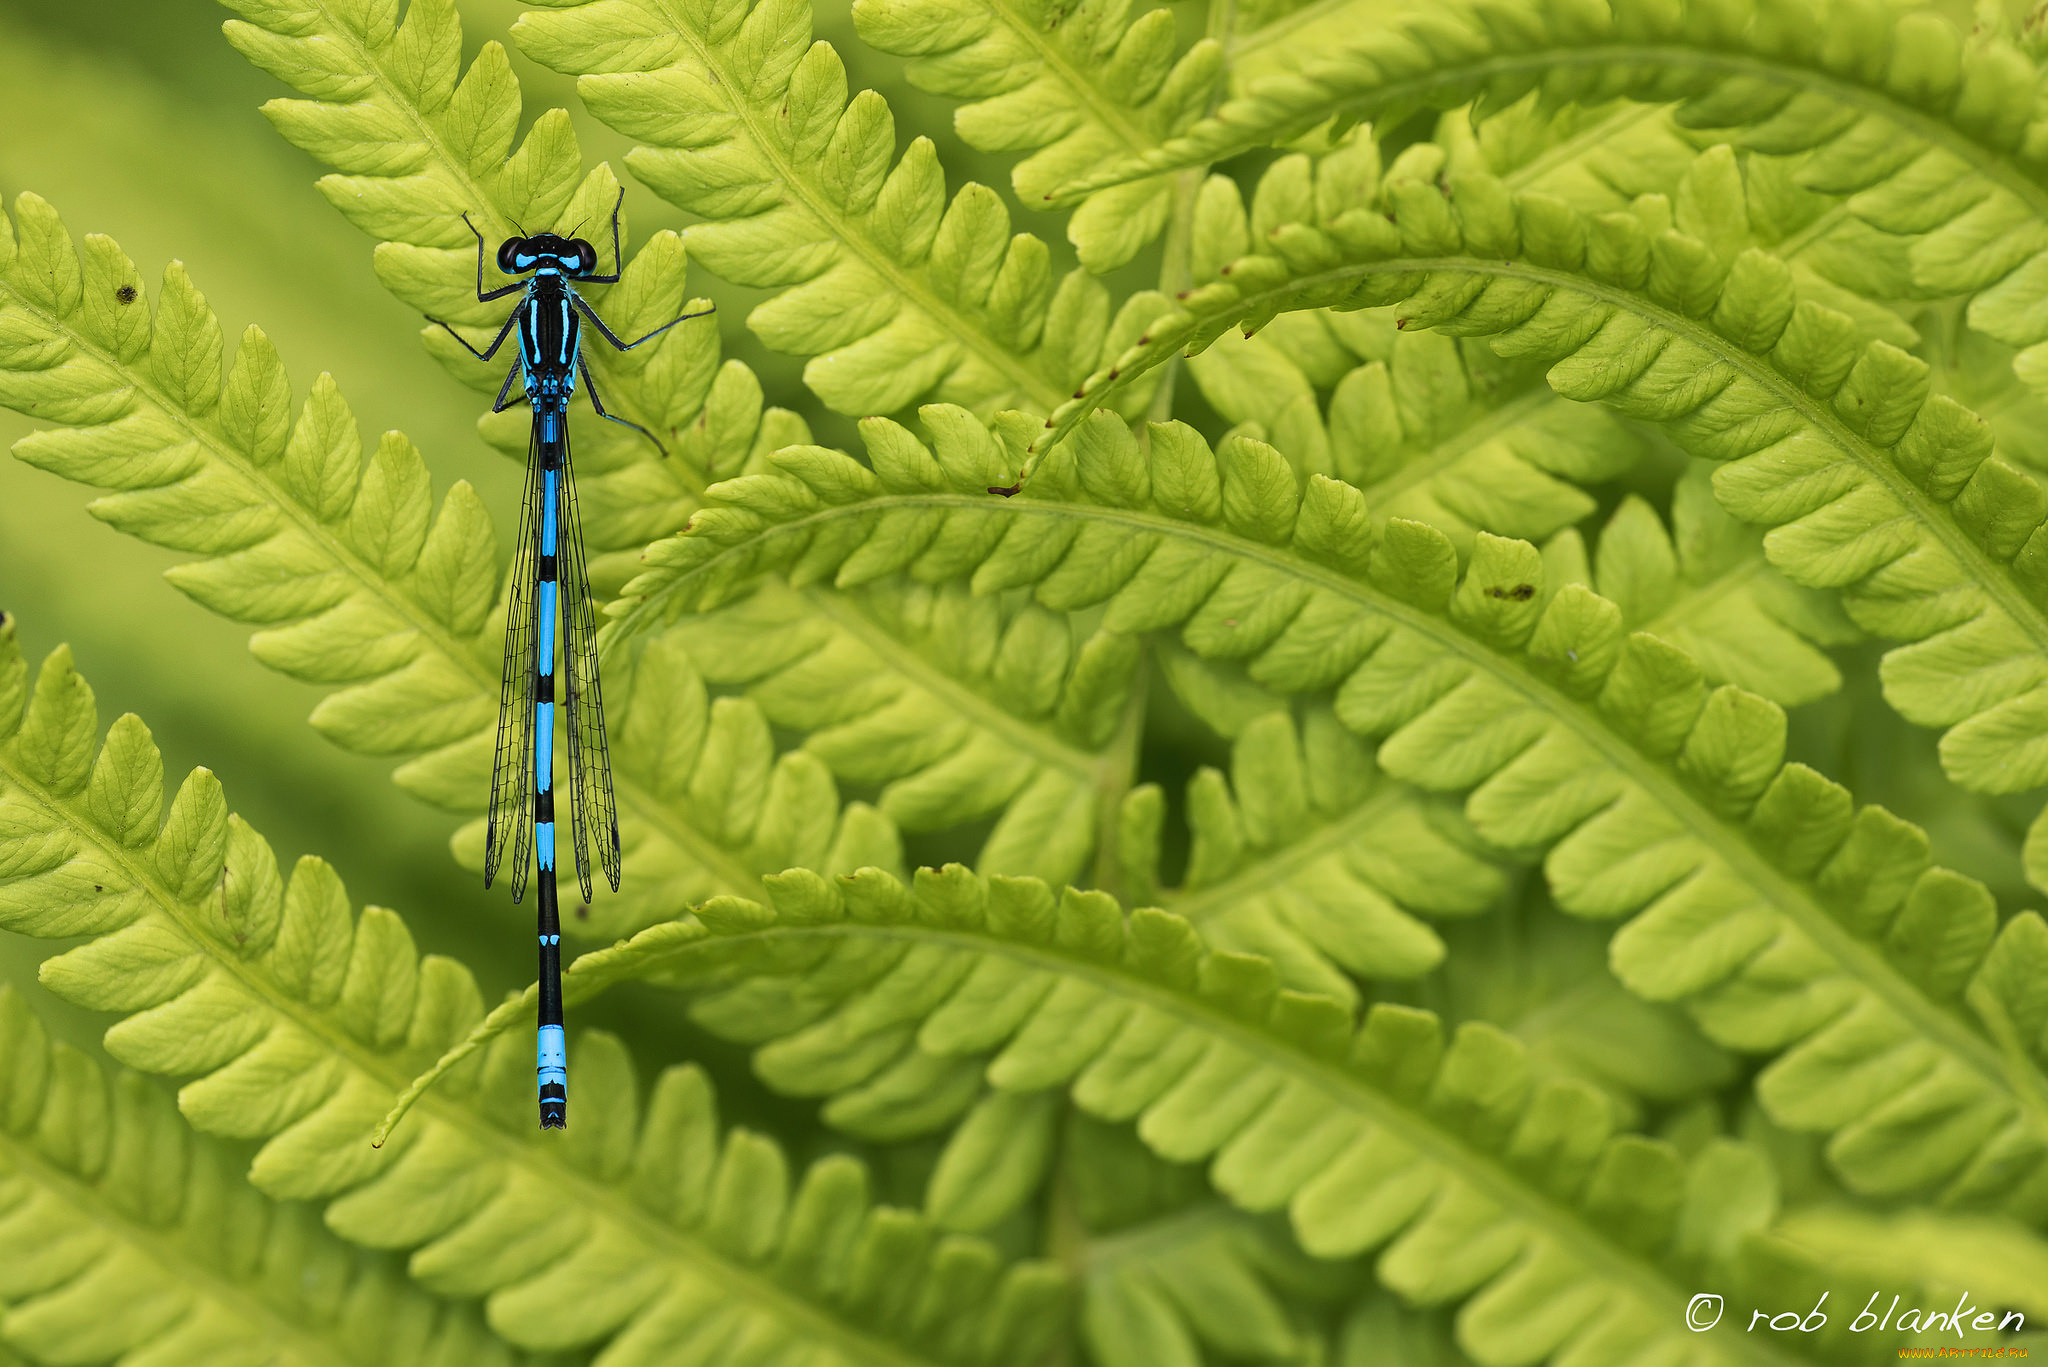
point(572, 256)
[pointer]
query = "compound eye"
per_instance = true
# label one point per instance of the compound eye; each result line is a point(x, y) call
point(509, 253)
point(586, 256)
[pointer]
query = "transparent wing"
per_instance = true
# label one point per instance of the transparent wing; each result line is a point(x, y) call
point(511, 820)
point(594, 811)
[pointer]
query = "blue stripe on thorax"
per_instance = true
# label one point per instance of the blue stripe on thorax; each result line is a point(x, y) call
point(549, 379)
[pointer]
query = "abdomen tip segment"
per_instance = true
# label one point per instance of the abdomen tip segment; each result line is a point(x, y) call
point(552, 1060)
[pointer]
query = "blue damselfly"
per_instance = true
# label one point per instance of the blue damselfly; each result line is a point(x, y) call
point(548, 571)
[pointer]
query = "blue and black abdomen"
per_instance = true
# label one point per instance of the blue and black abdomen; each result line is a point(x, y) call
point(552, 1058)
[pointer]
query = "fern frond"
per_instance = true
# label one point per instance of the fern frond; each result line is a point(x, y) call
point(895, 292)
point(1870, 486)
point(1450, 435)
point(1036, 745)
point(296, 1023)
point(1545, 983)
point(1879, 87)
point(1453, 435)
point(129, 1241)
point(1756, 892)
point(1073, 87)
point(1166, 1274)
point(1480, 1187)
point(1170, 1275)
point(1936, 138)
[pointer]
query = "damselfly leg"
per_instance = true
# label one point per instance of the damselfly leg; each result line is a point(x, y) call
point(597, 405)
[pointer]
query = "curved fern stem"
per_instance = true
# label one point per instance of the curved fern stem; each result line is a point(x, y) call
point(1549, 987)
point(1822, 66)
point(1755, 891)
point(1265, 876)
point(296, 1023)
point(1478, 1184)
point(505, 1014)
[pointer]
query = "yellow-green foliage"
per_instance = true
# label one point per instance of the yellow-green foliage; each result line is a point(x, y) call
point(1406, 736)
